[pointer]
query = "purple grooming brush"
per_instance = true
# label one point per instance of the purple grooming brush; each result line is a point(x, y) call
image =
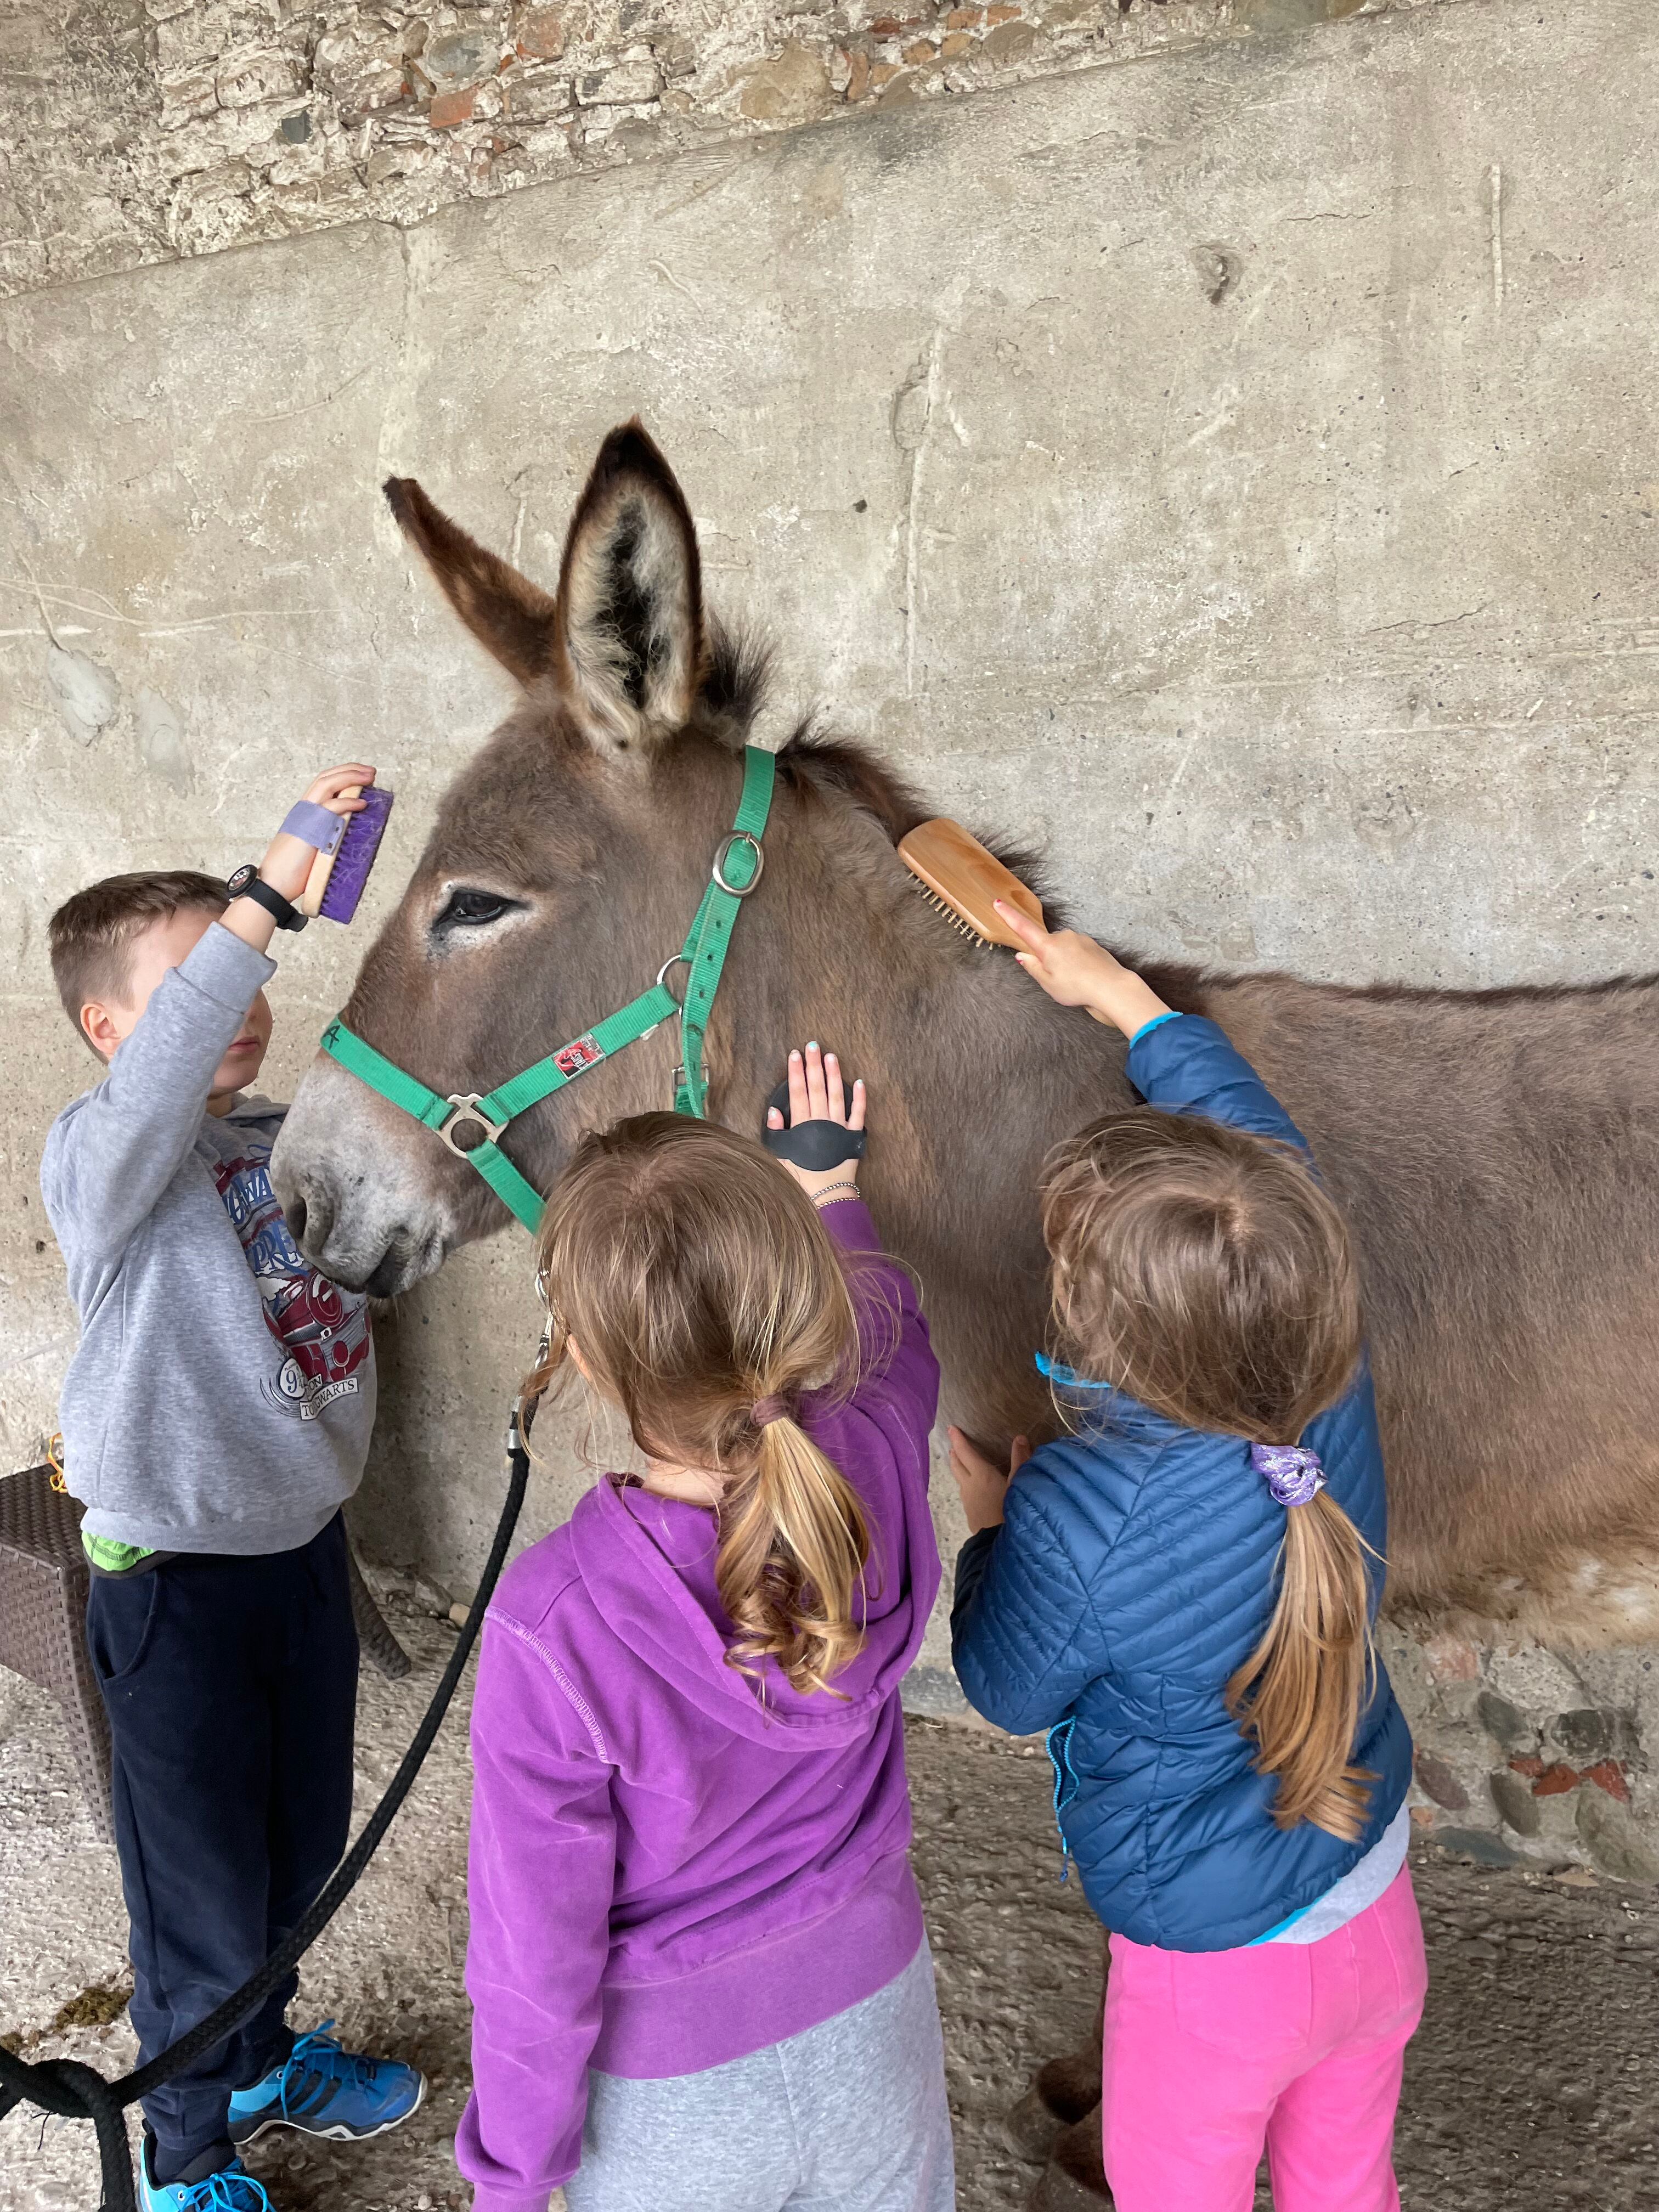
point(337, 885)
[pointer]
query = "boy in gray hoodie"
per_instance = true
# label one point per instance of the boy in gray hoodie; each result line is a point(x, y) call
point(215, 1415)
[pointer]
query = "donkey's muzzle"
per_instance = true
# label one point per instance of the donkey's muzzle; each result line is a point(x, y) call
point(354, 1179)
point(376, 1263)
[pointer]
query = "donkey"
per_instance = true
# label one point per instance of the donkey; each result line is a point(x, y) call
point(1497, 1152)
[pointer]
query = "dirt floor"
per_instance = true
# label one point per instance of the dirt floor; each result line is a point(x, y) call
point(1534, 2084)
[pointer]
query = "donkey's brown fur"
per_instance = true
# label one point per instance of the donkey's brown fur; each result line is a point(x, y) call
point(1497, 1153)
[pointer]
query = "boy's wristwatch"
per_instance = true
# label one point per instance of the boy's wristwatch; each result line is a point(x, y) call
point(246, 882)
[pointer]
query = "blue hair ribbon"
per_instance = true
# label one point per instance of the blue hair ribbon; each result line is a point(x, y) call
point(1066, 1378)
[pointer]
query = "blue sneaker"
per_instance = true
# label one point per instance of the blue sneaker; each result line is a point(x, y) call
point(229, 2188)
point(324, 2091)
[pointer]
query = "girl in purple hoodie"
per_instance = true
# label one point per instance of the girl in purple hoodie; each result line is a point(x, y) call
point(697, 1967)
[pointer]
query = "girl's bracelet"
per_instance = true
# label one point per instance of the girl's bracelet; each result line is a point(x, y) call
point(829, 1194)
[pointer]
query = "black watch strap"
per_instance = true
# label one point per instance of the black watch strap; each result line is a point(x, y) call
point(248, 883)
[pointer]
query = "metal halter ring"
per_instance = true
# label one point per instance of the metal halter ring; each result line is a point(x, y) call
point(739, 838)
point(675, 960)
point(468, 1108)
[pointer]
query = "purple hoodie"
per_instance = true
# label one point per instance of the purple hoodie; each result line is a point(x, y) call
point(668, 1869)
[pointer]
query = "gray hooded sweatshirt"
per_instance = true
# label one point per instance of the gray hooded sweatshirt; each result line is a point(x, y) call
point(224, 1392)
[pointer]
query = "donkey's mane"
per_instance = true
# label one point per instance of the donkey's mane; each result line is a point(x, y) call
point(737, 665)
point(814, 759)
point(1189, 985)
point(818, 760)
point(1495, 994)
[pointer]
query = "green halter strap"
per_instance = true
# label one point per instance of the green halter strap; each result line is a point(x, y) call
point(736, 871)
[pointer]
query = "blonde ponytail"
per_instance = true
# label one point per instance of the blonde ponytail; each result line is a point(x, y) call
point(794, 1544)
point(1206, 1272)
point(1299, 1692)
point(706, 1296)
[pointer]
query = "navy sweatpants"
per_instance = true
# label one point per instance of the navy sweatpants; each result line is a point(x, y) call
point(231, 1686)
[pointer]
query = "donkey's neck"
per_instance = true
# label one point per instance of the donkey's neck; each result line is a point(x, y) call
point(973, 1074)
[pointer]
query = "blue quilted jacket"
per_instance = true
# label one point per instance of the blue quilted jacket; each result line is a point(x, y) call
point(1135, 1569)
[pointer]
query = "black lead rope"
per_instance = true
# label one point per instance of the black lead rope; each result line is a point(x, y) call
point(68, 2090)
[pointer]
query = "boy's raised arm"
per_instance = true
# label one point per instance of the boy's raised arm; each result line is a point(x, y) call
point(110, 1156)
point(109, 1159)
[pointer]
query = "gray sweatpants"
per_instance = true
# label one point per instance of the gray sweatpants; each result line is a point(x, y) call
point(847, 2117)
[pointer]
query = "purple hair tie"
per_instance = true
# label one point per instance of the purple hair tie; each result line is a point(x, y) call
point(1293, 1473)
point(765, 1411)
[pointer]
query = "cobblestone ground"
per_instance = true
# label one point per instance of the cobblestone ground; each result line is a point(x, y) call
point(1534, 2084)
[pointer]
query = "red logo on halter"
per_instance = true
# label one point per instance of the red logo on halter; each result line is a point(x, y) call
point(586, 1052)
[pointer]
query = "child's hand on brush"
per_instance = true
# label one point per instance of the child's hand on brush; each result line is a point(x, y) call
point(289, 858)
point(818, 1093)
point(1075, 971)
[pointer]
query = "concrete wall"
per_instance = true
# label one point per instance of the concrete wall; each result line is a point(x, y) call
point(138, 130)
point(1234, 472)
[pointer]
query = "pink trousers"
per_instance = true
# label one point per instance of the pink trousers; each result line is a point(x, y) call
point(1210, 2055)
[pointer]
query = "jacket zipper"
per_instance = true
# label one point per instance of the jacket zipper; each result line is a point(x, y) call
point(1058, 1741)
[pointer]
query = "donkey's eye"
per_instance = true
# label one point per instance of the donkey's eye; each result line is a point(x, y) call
point(471, 909)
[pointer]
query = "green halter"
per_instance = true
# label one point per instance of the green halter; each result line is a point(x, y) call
point(736, 871)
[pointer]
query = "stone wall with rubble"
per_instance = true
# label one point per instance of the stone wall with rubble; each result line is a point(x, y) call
point(1177, 465)
point(133, 130)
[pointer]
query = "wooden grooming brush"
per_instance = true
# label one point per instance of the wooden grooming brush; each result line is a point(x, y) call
point(961, 879)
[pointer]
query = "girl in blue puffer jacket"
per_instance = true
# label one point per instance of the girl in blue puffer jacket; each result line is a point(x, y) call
point(1182, 1590)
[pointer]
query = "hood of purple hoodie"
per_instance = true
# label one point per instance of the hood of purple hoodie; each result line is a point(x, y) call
point(647, 1564)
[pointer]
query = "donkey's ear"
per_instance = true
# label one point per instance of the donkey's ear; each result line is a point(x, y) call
point(504, 611)
point(629, 646)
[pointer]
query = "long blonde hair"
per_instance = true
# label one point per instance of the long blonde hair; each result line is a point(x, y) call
point(702, 1290)
point(1205, 1271)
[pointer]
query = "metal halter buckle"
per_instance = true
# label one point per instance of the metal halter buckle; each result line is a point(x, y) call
point(468, 1108)
point(739, 838)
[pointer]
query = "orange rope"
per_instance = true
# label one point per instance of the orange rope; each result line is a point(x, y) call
point(55, 1461)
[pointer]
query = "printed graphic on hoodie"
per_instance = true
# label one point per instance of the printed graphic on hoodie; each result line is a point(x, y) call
point(322, 1330)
